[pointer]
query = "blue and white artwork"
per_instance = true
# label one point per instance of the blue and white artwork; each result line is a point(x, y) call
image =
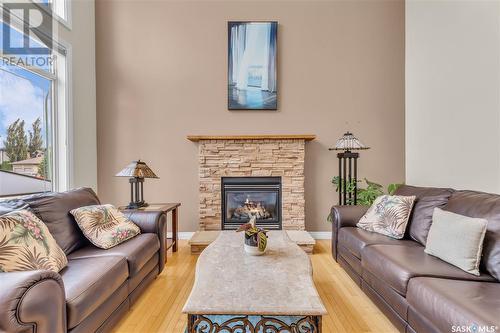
point(252, 73)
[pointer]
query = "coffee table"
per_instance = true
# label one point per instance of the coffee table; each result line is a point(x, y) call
point(236, 292)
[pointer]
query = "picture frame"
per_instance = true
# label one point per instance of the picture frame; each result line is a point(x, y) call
point(252, 74)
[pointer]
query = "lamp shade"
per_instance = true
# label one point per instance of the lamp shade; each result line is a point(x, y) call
point(137, 169)
point(349, 142)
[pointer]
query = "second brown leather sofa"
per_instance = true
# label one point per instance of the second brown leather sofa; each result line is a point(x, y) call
point(418, 292)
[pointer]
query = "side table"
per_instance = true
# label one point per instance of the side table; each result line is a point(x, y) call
point(166, 208)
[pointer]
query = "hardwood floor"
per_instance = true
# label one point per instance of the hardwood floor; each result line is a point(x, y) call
point(159, 308)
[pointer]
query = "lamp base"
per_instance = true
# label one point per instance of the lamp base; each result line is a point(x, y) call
point(136, 193)
point(136, 205)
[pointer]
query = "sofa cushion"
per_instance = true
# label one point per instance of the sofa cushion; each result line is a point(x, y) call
point(53, 209)
point(89, 282)
point(397, 264)
point(106, 316)
point(418, 323)
point(388, 215)
point(104, 225)
point(355, 240)
point(138, 251)
point(427, 199)
point(421, 192)
point(26, 244)
point(457, 239)
point(350, 259)
point(395, 300)
point(137, 279)
point(486, 206)
point(7, 206)
point(446, 303)
point(421, 217)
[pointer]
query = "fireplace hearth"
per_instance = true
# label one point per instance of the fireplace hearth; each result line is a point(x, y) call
point(243, 197)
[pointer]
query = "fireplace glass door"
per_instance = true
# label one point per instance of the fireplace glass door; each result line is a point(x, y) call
point(244, 197)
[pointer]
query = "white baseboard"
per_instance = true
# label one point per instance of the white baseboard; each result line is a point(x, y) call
point(321, 234)
point(314, 234)
point(182, 234)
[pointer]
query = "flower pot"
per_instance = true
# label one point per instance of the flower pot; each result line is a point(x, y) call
point(252, 247)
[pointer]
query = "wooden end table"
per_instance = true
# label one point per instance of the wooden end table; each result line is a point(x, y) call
point(166, 208)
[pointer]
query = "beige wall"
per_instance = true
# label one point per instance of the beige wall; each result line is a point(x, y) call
point(161, 75)
point(81, 39)
point(453, 94)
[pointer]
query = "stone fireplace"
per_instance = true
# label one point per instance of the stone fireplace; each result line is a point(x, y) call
point(243, 162)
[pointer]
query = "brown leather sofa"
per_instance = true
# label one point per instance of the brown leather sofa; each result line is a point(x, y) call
point(96, 288)
point(416, 291)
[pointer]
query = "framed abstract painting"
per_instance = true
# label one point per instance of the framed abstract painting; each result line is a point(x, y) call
point(252, 81)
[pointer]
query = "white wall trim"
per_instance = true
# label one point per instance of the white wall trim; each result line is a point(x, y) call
point(314, 234)
point(182, 234)
point(321, 234)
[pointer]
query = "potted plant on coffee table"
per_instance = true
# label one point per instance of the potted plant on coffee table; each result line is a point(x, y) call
point(255, 238)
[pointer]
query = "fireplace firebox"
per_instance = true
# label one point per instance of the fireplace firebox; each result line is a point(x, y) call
point(243, 197)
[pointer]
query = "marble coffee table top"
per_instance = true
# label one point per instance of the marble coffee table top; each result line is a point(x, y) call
point(229, 281)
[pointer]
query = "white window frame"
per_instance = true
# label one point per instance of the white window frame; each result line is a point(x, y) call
point(63, 144)
point(62, 10)
point(62, 117)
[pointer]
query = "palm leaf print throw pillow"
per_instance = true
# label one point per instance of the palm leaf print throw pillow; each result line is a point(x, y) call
point(388, 215)
point(104, 225)
point(26, 244)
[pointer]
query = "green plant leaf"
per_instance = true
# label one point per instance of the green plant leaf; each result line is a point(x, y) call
point(391, 188)
point(336, 182)
point(366, 196)
point(373, 185)
point(252, 231)
point(262, 240)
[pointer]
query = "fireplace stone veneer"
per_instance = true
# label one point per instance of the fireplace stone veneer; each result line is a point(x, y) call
point(252, 156)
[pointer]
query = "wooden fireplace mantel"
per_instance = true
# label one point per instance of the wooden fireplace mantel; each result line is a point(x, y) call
point(305, 137)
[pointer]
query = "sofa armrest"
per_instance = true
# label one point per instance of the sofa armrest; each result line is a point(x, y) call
point(344, 216)
point(32, 301)
point(152, 222)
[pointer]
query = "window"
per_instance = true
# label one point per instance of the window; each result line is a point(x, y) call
point(33, 117)
point(59, 7)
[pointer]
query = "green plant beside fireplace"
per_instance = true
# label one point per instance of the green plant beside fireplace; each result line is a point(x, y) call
point(366, 196)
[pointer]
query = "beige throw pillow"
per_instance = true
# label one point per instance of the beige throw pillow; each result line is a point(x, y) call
point(457, 239)
point(388, 215)
point(26, 244)
point(104, 225)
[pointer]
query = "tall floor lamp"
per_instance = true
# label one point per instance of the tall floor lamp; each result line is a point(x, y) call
point(348, 167)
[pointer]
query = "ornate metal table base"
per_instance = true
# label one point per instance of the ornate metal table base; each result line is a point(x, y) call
point(252, 324)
